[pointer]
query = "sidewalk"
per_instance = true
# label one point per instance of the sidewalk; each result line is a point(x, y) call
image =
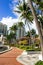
point(28, 59)
point(9, 58)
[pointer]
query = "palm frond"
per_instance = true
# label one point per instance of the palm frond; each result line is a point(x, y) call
point(41, 5)
point(20, 7)
point(17, 11)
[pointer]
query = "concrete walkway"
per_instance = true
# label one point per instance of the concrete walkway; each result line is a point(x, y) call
point(9, 58)
point(28, 59)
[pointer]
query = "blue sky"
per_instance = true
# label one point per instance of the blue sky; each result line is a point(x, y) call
point(7, 15)
point(5, 9)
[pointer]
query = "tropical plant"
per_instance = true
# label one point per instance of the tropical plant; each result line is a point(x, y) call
point(10, 37)
point(39, 63)
point(31, 10)
point(28, 34)
point(33, 32)
point(26, 14)
point(23, 9)
point(14, 29)
point(38, 2)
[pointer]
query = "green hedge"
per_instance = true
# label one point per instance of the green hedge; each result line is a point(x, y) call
point(39, 63)
point(28, 48)
point(37, 49)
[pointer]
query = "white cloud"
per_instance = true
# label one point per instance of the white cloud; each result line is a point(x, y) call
point(9, 21)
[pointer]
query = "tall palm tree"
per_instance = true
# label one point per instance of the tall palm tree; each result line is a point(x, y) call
point(37, 22)
point(40, 3)
point(20, 26)
point(25, 12)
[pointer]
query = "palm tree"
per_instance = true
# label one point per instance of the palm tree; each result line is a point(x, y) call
point(37, 22)
point(33, 32)
point(40, 3)
point(26, 14)
point(14, 28)
point(20, 26)
point(28, 34)
point(41, 22)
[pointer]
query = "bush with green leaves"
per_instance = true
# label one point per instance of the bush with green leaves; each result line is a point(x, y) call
point(39, 63)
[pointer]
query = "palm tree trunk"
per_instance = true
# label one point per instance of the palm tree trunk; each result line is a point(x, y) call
point(30, 32)
point(37, 24)
point(20, 33)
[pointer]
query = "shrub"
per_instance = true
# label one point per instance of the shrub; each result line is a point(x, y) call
point(27, 47)
point(21, 46)
point(23, 42)
point(33, 49)
point(39, 63)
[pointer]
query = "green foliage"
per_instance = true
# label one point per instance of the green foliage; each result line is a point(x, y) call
point(33, 31)
point(40, 3)
point(39, 63)
point(36, 35)
point(40, 18)
point(22, 47)
point(10, 36)
point(28, 34)
point(34, 49)
point(25, 11)
point(23, 42)
point(14, 27)
point(28, 48)
point(20, 24)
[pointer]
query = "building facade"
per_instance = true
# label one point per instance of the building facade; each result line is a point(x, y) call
point(3, 29)
point(20, 32)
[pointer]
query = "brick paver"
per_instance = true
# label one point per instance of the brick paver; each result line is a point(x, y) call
point(9, 58)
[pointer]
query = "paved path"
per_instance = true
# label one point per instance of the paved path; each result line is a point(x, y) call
point(9, 58)
point(29, 59)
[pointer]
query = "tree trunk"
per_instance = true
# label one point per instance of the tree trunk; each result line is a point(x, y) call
point(26, 22)
point(20, 33)
point(37, 24)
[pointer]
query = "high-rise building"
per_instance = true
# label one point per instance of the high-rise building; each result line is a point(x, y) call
point(3, 29)
point(20, 32)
